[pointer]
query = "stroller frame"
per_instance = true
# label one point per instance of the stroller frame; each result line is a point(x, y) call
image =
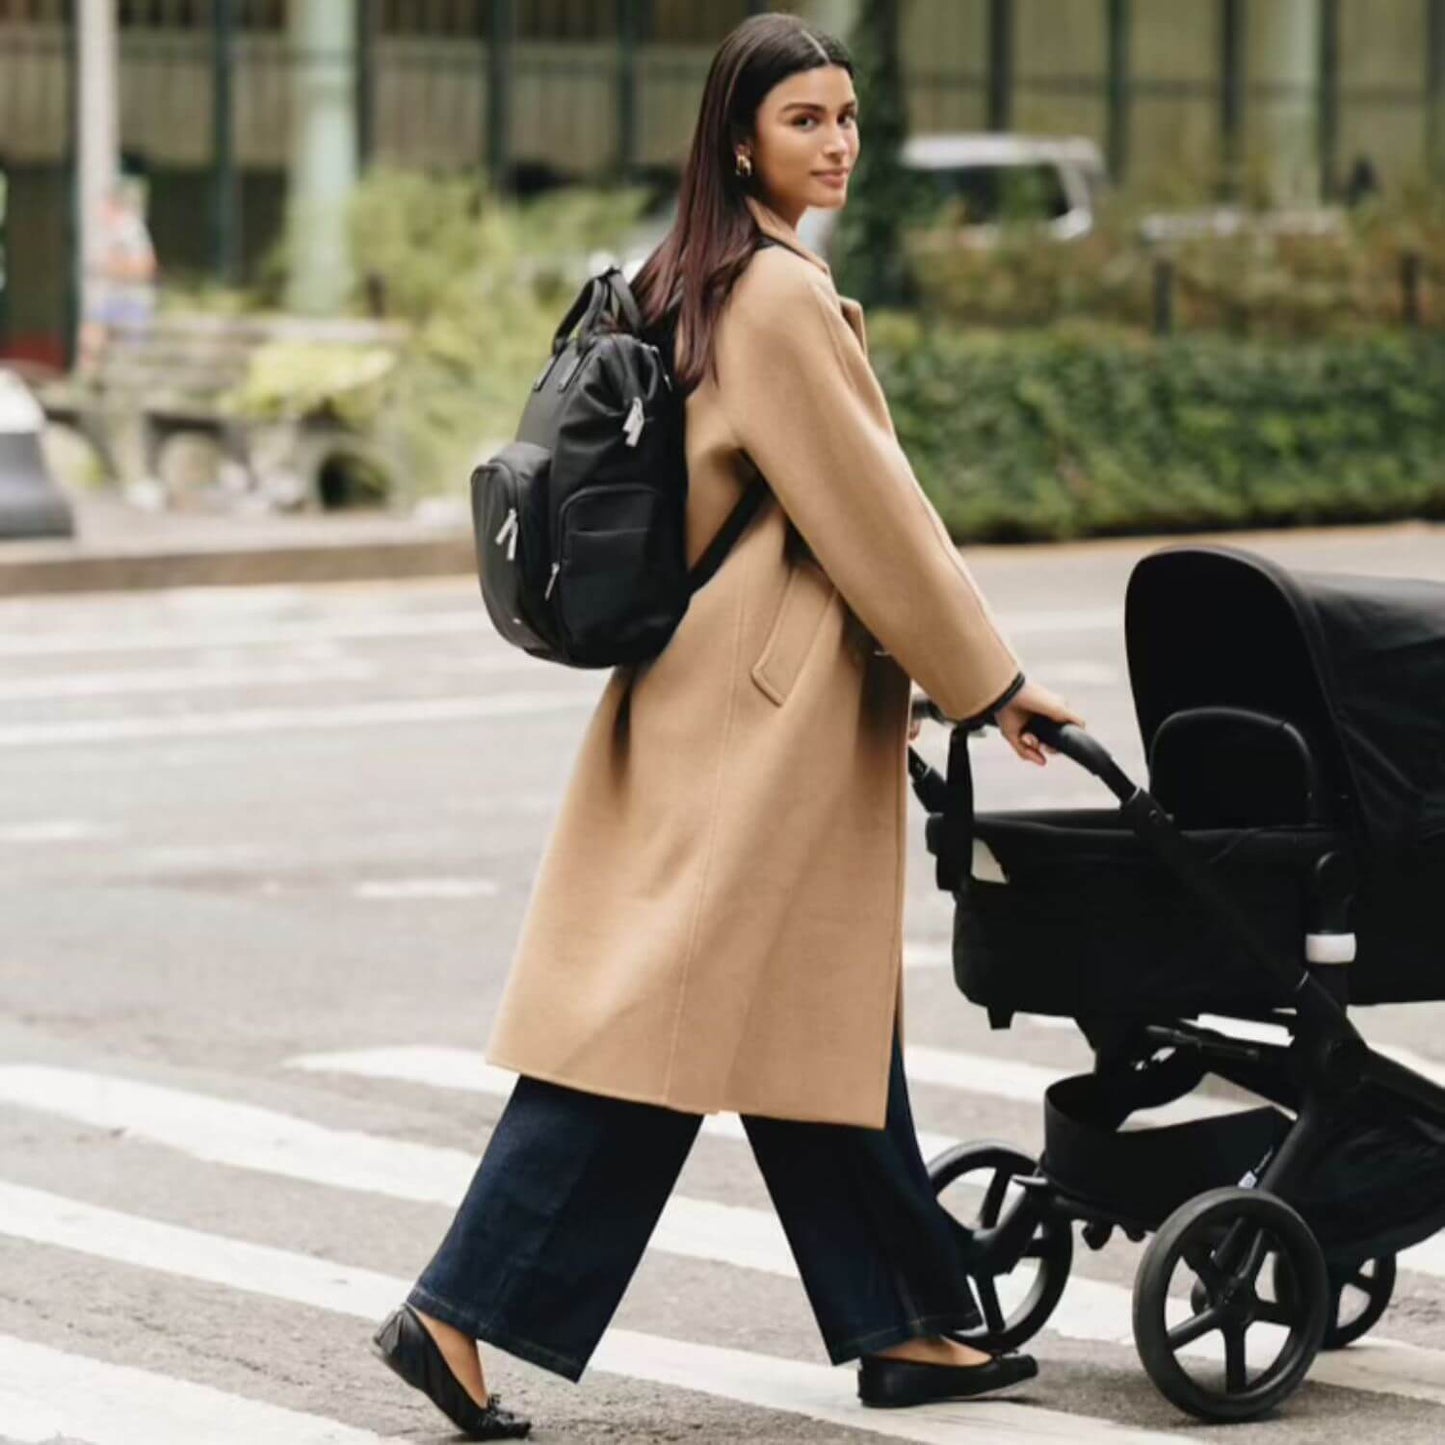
point(1224, 1235)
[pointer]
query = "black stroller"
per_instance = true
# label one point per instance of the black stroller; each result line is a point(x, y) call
point(1285, 862)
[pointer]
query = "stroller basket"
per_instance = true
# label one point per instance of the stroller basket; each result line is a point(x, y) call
point(1143, 1175)
point(1378, 1188)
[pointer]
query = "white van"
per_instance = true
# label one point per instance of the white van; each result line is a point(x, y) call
point(986, 178)
point(989, 179)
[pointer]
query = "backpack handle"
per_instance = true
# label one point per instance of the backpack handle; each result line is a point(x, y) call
point(607, 292)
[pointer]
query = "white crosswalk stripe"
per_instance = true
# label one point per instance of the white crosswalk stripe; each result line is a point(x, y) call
point(794, 1387)
point(48, 1396)
point(389, 712)
point(1011, 1079)
point(468, 624)
point(244, 1136)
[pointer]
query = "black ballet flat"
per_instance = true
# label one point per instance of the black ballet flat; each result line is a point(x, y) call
point(889, 1384)
point(406, 1345)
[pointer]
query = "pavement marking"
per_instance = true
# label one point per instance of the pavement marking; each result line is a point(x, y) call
point(1090, 1310)
point(211, 631)
point(793, 1387)
point(468, 1070)
point(426, 888)
point(1025, 1083)
point(1084, 674)
point(245, 1136)
point(179, 679)
point(47, 1395)
point(201, 676)
point(1079, 619)
point(1270, 1033)
point(927, 955)
point(55, 830)
point(261, 720)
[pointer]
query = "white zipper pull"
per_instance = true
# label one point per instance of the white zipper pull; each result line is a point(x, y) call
point(552, 580)
point(508, 534)
point(634, 422)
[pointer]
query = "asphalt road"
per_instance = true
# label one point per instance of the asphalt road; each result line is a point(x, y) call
point(263, 856)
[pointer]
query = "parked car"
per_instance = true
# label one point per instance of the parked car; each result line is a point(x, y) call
point(987, 179)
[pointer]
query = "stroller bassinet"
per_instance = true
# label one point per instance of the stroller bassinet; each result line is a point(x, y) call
point(1279, 866)
point(1286, 719)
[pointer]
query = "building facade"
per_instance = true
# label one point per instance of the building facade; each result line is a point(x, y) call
point(1189, 98)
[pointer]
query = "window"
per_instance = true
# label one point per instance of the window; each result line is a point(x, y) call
point(982, 195)
point(198, 14)
point(566, 19)
point(433, 17)
point(688, 21)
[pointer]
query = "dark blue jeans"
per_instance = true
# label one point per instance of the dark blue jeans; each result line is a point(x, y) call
point(571, 1185)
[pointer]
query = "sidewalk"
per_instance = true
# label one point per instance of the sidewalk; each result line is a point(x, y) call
point(118, 547)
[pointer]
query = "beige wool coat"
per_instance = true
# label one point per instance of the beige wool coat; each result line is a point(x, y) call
point(717, 920)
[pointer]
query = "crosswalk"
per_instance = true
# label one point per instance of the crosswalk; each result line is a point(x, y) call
point(49, 1395)
point(296, 1177)
point(217, 1131)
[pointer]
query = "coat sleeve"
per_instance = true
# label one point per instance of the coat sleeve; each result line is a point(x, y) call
point(800, 396)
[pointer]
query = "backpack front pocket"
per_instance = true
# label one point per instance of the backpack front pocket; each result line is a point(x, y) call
point(616, 579)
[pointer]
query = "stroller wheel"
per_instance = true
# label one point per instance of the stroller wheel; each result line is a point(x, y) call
point(1359, 1296)
point(1243, 1351)
point(1018, 1282)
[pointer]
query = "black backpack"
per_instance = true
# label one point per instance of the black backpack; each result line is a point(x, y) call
point(580, 522)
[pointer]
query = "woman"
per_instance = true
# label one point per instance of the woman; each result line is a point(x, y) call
point(717, 920)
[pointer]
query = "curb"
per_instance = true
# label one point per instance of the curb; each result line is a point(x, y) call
point(56, 567)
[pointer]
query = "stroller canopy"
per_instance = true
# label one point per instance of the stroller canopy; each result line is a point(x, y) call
point(1356, 663)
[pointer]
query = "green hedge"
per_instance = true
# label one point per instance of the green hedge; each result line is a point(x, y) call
point(1092, 431)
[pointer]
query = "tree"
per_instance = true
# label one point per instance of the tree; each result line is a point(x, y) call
point(872, 265)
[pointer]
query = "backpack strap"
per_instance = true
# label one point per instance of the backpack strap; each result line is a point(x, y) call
point(728, 533)
point(738, 519)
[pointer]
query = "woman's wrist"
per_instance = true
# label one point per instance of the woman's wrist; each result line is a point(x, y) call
point(1007, 696)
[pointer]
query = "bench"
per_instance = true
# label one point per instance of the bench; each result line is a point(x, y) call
point(161, 407)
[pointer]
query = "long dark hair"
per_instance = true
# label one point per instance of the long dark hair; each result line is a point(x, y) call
point(694, 269)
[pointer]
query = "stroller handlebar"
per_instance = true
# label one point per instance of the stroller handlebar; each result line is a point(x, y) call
point(1084, 749)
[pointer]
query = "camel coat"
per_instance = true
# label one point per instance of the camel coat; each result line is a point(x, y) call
point(717, 920)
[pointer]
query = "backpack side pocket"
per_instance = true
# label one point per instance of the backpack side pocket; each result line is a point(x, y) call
point(513, 553)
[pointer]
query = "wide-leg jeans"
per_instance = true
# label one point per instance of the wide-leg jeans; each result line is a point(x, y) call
point(569, 1190)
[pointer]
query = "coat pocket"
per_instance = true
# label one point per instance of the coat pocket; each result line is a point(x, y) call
point(807, 595)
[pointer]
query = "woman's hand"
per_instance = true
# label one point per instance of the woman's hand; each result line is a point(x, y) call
point(1030, 699)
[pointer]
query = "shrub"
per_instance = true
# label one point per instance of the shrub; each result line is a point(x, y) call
point(1258, 282)
point(1099, 430)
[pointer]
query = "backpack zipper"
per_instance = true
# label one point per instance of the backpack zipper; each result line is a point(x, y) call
point(552, 580)
point(508, 534)
point(634, 421)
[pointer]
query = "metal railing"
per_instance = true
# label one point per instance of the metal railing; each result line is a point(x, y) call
point(528, 89)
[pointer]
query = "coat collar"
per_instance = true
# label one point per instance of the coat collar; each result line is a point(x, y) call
point(772, 224)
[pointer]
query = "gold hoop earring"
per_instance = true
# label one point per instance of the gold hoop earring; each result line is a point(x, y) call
point(744, 166)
